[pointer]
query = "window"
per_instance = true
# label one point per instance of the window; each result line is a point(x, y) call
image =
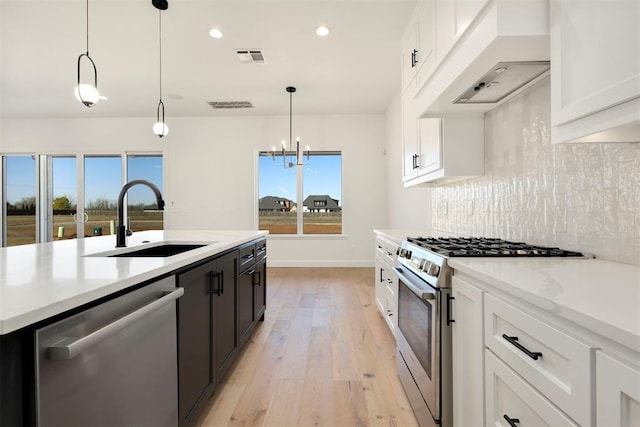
point(142, 208)
point(300, 200)
point(20, 193)
point(102, 183)
point(52, 197)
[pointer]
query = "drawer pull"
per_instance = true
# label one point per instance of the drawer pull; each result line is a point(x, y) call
point(514, 340)
point(513, 422)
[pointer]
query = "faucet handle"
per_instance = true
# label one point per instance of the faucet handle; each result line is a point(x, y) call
point(129, 232)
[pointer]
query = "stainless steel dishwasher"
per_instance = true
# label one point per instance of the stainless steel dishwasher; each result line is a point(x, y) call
point(112, 365)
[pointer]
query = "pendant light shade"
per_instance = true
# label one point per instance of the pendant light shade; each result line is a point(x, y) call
point(160, 128)
point(87, 93)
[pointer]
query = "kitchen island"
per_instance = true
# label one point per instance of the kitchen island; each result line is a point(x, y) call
point(44, 283)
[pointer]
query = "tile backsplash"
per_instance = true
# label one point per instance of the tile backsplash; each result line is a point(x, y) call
point(583, 197)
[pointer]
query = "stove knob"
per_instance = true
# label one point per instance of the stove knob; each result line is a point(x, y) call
point(425, 266)
point(433, 270)
point(398, 251)
point(408, 256)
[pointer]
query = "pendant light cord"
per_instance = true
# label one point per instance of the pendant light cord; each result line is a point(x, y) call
point(160, 39)
point(290, 120)
point(87, 27)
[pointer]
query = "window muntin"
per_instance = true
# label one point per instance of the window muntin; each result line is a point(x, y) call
point(281, 194)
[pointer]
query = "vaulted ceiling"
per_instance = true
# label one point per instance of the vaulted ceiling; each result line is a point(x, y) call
point(353, 70)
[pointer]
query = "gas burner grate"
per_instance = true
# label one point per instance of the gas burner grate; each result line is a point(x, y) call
point(486, 247)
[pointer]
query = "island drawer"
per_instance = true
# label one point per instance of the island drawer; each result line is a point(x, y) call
point(558, 365)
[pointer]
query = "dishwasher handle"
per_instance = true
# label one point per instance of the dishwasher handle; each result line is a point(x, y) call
point(68, 348)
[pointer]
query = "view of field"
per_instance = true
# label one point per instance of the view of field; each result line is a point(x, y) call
point(21, 229)
point(314, 223)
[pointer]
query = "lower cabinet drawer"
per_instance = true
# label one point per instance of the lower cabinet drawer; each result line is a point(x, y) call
point(556, 364)
point(511, 401)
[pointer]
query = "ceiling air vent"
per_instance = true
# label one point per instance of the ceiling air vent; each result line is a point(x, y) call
point(249, 56)
point(229, 105)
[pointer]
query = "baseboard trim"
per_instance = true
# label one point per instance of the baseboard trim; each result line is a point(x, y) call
point(319, 263)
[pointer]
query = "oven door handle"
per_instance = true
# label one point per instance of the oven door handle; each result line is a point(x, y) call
point(425, 294)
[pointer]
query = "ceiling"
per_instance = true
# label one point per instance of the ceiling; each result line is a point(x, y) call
point(354, 70)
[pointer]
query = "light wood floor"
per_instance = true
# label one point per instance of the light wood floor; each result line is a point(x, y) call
point(322, 357)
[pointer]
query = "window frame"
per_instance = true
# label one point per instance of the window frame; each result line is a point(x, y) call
point(300, 197)
point(43, 170)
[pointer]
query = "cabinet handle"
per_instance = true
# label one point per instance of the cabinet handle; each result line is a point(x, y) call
point(514, 340)
point(258, 282)
point(449, 319)
point(248, 256)
point(71, 347)
point(513, 422)
point(249, 272)
point(381, 279)
point(217, 290)
point(415, 161)
point(414, 59)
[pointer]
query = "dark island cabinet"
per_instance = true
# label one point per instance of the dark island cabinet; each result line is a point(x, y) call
point(206, 331)
point(251, 287)
point(224, 313)
point(260, 290)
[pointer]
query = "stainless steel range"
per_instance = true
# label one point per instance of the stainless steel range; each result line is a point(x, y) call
point(424, 315)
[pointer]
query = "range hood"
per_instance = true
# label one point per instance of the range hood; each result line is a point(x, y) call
point(504, 50)
point(502, 80)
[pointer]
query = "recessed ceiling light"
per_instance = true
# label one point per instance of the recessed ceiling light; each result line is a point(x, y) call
point(322, 31)
point(105, 98)
point(500, 70)
point(215, 33)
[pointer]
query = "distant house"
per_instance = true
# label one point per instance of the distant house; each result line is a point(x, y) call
point(275, 204)
point(321, 203)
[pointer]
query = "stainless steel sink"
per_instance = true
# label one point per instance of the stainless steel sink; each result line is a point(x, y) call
point(160, 251)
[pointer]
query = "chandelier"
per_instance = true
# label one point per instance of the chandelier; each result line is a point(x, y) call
point(288, 159)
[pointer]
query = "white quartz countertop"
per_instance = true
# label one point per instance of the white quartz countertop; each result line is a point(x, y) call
point(599, 295)
point(398, 235)
point(41, 280)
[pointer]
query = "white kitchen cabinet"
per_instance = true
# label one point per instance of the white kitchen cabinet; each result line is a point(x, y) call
point(556, 364)
point(452, 18)
point(409, 49)
point(418, 43)
point(422, 145)
point(512, 401)
point(441, 150)
point(410, 147)
point(468, 354)
point(386, 283)
point(618, 392)
point(595, 72)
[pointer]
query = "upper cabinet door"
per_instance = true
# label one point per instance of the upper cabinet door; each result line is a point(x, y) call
point(595, 61)
point(409, 52)
point(426, 42)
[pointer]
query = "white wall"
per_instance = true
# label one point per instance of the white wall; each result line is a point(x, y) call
point(584, 197)
point(407, 208)
point(210, 178)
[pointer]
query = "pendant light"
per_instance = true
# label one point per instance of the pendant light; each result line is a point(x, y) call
point(160, 128)
point(287, 156)
point(85, 92)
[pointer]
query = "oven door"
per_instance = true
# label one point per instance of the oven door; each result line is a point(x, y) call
point(418, 338)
